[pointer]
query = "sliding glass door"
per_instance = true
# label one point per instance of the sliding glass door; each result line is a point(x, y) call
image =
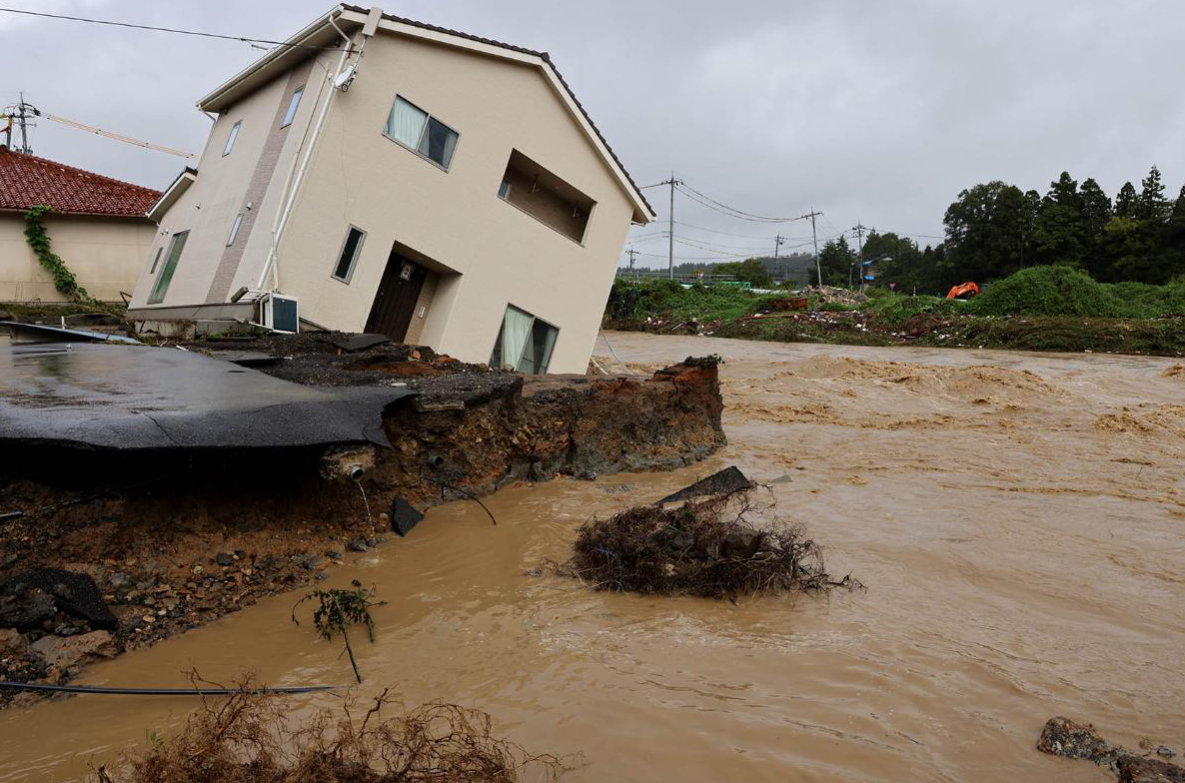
point(524, 343)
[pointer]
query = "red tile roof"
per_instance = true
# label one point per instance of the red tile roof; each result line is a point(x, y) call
point(28, 181)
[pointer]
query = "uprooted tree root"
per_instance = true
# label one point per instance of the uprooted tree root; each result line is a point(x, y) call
point(247, 737)
point(704, 548)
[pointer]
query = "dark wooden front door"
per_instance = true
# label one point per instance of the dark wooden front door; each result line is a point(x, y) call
point(395, 302)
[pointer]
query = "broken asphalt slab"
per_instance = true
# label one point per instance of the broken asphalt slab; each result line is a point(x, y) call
point(724, 482)
point(61, 334)
point(128, 397)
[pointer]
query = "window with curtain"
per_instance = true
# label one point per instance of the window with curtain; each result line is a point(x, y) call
point(524, 343)
point(166, 273)
point(420, 132)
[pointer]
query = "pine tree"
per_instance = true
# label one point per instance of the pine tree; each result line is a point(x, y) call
point(1060, 234)
point(1126, 201)
point(1152, 204)
point(1096, 211)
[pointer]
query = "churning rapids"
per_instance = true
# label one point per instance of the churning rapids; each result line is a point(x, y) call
point(1019, 520)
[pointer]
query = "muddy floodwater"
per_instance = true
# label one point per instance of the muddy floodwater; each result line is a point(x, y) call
point(1018, 519)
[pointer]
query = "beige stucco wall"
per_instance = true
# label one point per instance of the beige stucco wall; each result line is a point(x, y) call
point(209, 207)
point(106, 254)
point(360, 177)
point(487, 252)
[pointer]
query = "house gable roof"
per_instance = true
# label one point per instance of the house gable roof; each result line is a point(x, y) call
point(322, 33)
point(28, 181)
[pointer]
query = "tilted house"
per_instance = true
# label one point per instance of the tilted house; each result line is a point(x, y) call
point(394, 177)
point(97, 227)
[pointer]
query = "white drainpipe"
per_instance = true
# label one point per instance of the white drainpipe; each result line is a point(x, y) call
point(272, 263)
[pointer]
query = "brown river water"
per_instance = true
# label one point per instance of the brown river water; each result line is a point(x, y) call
point(1018, 519)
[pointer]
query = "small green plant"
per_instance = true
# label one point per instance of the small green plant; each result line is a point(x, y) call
point(38, 238)
point(154, 739)
point(337, 610)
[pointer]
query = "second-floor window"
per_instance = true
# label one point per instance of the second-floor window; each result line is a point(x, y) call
point(234, 230)
point(293, 105)
point(417, 130)
point(230, 140)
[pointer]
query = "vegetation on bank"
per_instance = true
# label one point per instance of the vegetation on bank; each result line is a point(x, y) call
point(1050, 308)
point(252, 736)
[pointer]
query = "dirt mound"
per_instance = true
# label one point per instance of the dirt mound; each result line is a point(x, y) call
point(976, 383)
point(1160, 418)
point(1175, 371)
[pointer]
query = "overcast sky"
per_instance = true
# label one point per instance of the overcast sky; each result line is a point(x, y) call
point(869, 111)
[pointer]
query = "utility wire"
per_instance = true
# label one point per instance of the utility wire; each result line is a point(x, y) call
point(731, 234)
point(241, 39)
point(708, 201)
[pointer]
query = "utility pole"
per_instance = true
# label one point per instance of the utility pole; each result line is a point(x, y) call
point(859, 228)
point(671, 225)
point(815, 239)
point(632, 254)
point(21, 115)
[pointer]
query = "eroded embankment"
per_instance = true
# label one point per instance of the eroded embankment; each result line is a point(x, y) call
point(175, 538)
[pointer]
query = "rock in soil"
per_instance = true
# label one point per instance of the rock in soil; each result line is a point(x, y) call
point(66, 653)
point(1063, 737)
point(73, 593)
point(12, 644)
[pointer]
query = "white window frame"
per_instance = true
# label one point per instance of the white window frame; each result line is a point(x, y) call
point(231, 138)
point(353, 261)
point(156, 260)
point(293, 106)
point(234, 230)
point(428, 118)
point(160, 287)
point(534, 320)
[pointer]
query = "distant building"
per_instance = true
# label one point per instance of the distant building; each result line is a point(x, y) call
point(439, 188)
point(98, 227)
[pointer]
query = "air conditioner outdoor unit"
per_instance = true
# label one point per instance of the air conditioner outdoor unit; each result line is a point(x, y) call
point(281, 314)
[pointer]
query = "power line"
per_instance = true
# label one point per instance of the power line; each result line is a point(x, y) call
point(728, 233)
point(241, 39)
point(711, 203)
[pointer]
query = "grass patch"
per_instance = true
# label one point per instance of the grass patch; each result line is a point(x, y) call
point(1060, 290)
point(52, 314)
point(895, 308)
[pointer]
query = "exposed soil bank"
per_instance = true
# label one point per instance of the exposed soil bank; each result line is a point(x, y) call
point(175, 538)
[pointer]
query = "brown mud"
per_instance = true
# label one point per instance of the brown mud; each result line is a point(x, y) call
point(176, 539)
point(1020, 562)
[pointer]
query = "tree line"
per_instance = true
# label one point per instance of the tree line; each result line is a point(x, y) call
point(995, 229)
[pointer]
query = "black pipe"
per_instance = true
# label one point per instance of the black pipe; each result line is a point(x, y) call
point(38, 686)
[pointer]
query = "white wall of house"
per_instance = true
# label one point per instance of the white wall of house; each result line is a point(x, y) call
point(503, 256)
point(485, 253)
point(105, 253)
point(222, 190)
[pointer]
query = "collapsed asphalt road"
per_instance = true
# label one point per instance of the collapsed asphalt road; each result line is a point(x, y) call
point(127, 398)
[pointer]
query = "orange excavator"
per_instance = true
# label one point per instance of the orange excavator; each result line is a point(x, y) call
point(964, 291)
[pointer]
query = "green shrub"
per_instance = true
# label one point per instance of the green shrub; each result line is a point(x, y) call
point(893, 308)
point(1060, 290)
point(668, 299)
